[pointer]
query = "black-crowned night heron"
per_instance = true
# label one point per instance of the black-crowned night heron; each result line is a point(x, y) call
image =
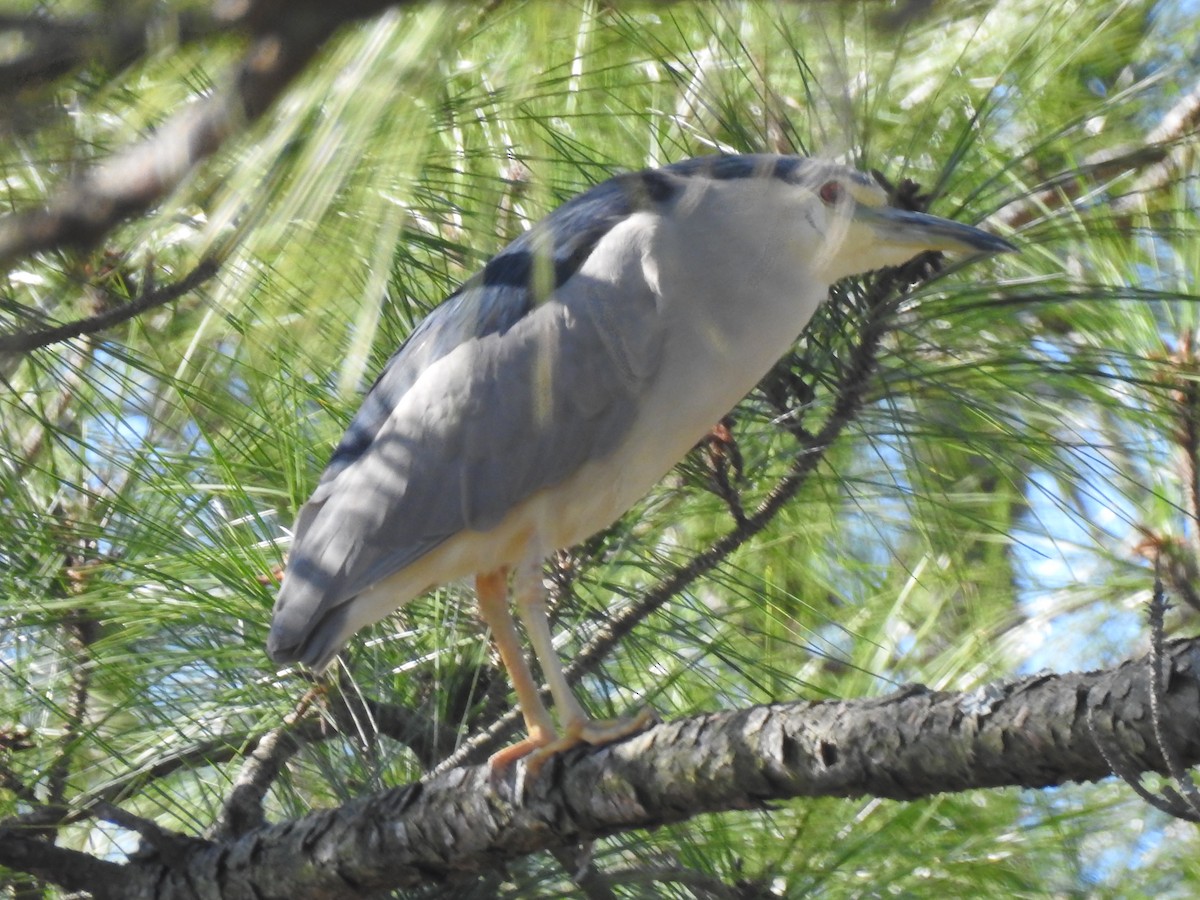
point(553, 389)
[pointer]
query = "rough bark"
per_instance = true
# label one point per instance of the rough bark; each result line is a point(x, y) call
point(1038, 731)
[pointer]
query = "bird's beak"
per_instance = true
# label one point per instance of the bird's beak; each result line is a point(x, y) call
point(919, 231)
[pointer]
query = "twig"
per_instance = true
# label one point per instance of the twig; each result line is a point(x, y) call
point(25, 341)
point(243, 810)
point(81, 631)
point(1112, 756)
point(1158, 666)
point(1186, 802)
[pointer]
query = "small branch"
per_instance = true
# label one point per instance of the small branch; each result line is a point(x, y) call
point(170, 846)
point(243, 810)
point(1186, 805)
point(1155, 163)
point(220, 749)
point(344, 712)
point(81, 632)
point(1171, 134)
point(397, 722)
point(1067, 187)
point(25, 341)
point(1169, 802)
point(75, 871)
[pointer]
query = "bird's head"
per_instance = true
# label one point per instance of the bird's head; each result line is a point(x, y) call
point(862, 232)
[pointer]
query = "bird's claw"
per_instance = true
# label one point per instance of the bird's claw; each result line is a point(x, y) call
point(539, 747)
point(539, 738)
point(599, 732)
point(593, 732)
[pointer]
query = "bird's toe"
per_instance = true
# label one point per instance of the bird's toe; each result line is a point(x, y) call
point(539, 739)
point(598, 732)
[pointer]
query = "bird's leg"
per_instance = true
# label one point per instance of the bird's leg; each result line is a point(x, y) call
point(491, 591)
point(529, 596)
point(530, 599)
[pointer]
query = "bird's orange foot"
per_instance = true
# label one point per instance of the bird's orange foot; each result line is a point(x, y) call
point(595, 732)
point(539, 739)
point(599, 732)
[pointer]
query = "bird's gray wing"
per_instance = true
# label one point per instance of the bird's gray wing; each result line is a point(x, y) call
point(500, 418)
point(524, 374)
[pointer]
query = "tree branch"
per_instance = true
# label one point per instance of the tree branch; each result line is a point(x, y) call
point(57, 46)
point(348, 713)
point(81, 631)
point(285, 37)
point(25, 341)
point(1030, 733)
point(75, 871)
point(243, 809)
point(1172, 134)
point(1155, 163)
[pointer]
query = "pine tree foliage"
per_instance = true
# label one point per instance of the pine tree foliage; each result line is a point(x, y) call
point(1025, 453)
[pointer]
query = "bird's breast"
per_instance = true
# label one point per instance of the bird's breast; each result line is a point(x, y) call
point(712, 355)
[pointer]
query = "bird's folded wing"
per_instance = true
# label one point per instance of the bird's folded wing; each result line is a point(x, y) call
point(477, 431)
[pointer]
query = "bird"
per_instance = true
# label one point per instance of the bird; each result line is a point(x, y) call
point(549, 393)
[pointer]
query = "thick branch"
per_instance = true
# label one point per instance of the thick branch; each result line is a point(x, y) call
point(56, 46)
point(1030, 733)
point(287, 36)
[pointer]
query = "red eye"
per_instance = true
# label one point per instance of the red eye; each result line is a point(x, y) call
point(830, 193)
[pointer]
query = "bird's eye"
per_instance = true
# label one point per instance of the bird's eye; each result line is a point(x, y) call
point(830, 193)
